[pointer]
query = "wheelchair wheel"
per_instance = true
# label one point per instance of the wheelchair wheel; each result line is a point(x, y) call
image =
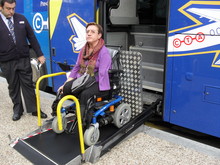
point(91, 136)
point(122, 115)
point(55, 124)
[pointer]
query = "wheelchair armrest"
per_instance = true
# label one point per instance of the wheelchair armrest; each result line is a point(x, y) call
point(113, 71)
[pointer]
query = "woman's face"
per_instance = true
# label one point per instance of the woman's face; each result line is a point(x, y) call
point(92, 35)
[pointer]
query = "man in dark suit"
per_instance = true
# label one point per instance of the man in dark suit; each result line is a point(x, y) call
point(15, 58)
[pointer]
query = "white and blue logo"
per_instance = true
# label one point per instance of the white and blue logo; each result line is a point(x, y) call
point(78, 26)
point(38, 23)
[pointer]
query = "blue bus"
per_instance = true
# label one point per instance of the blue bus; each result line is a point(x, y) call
point(179, 42)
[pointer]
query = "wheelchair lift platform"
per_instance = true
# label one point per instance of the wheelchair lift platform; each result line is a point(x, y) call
point(43, 146)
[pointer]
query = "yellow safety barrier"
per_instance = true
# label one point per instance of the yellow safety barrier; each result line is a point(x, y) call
point(79, 120)
point(59, 118)
point(38, 93)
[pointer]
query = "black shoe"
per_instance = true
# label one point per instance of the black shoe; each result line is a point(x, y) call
point(43, 115)
point(16, 116)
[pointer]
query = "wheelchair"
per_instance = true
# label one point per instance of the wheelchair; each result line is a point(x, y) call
point(100, 111)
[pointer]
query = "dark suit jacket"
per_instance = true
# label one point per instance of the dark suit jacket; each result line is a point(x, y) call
point(23, 31)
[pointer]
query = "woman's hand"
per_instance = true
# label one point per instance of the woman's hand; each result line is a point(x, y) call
point(60, 89)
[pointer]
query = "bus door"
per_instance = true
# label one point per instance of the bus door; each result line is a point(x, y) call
point(67, 21)
point(192, 97)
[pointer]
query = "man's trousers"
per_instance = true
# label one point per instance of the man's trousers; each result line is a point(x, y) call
point(18, 74)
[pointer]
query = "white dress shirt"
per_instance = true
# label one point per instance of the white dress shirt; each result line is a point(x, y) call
point(6, 20)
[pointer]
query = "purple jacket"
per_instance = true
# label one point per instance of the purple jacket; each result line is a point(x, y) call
point(103, 64)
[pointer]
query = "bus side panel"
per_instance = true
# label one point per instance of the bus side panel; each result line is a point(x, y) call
point(192, 94)
point(67, 32)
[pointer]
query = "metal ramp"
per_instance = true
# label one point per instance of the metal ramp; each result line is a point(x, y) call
point(49, 148)
point(46, 147)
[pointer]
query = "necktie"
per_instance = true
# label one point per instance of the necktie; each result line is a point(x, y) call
point(11, 28)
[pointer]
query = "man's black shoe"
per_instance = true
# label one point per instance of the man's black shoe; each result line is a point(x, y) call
point(16, 116)
point(43, 115)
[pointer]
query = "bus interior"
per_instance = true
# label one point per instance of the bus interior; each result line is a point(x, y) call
point(140, 25)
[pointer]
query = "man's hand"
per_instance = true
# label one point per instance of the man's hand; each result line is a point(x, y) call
point(41, 59)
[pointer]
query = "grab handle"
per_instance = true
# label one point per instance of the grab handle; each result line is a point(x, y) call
point(38, 93)
point(79, 119)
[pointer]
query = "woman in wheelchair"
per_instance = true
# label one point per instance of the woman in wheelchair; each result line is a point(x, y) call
point(93, 59)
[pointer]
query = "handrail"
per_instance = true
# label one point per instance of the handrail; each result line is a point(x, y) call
point(38, 93)
point(79, 120)
point(59, 118)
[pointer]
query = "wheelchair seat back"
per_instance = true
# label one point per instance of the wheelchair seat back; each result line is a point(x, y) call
point(115, 72)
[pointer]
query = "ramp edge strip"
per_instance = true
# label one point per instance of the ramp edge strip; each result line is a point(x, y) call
point(32, 154)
